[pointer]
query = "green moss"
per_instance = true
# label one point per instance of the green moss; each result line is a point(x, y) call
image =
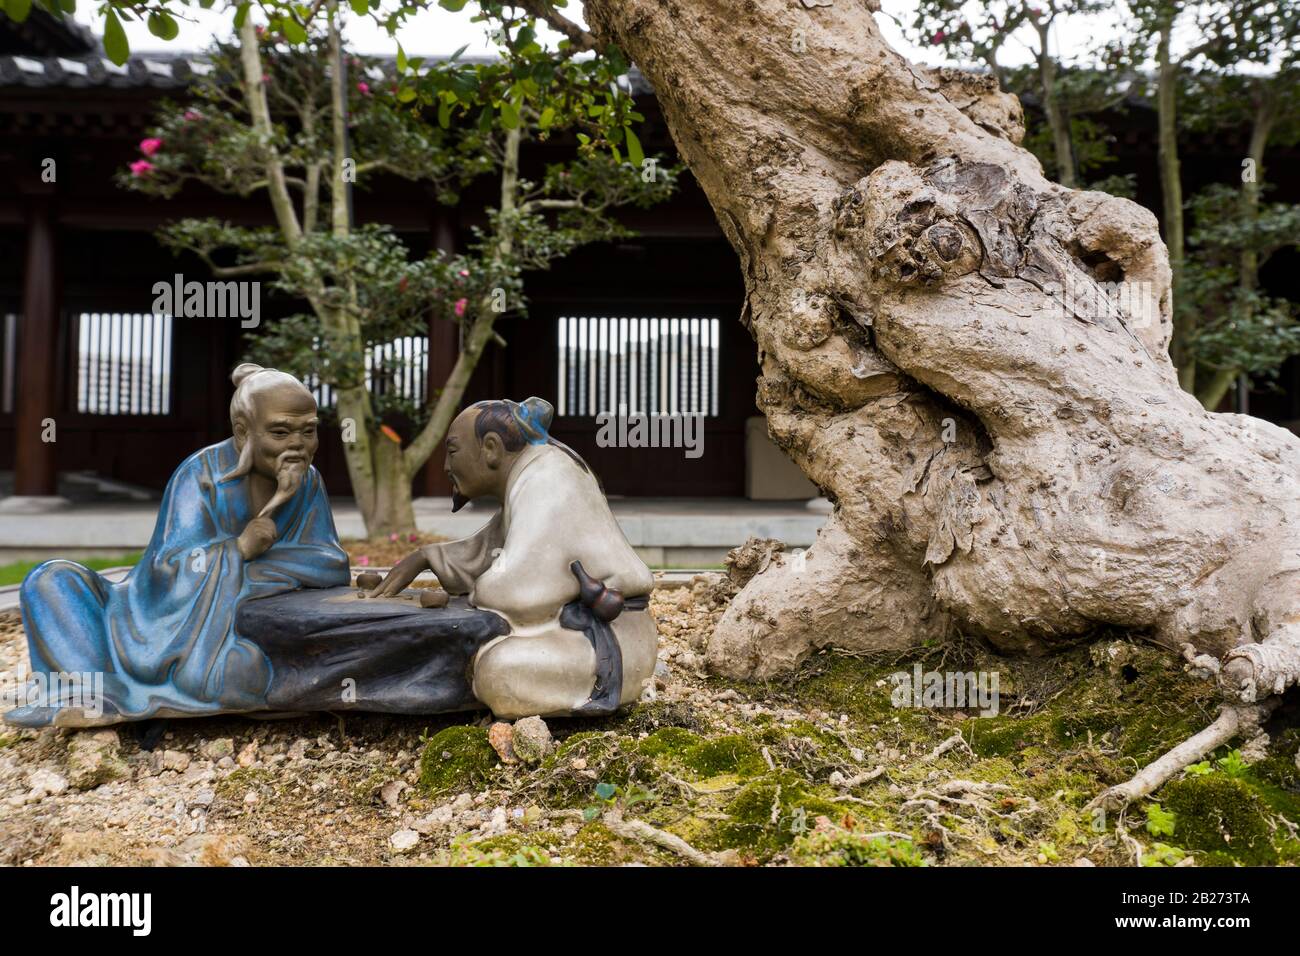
point(456, 758)
point(595, 845)
point(510, 849)
point(836, 846)
point(843, 684)
point(668, 742)
point(777, 735)
point(768, 813)
point(729, 754)
point(7, 740)
point(1127, 696)
point(1221, 818)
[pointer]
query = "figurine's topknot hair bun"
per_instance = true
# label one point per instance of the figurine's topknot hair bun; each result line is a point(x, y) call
point(241, 403)
point(534, 416)
point(243, 371)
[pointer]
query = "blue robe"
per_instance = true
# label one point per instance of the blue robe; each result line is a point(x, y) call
point(166, 638)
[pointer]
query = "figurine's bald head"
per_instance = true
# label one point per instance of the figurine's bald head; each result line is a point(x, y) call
point(274, 419)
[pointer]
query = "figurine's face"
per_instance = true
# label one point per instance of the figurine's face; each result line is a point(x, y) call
point(283, 431)
point(474, 467)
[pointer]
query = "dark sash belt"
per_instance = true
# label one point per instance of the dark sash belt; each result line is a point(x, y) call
point(593, 614)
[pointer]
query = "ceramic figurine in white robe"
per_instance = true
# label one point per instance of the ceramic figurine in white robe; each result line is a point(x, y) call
point(521, 565)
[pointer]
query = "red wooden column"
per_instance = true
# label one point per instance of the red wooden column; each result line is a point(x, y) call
point(35, 462)
point(444, 347)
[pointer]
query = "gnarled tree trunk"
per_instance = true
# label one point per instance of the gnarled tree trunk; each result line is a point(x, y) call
point(1003, 458)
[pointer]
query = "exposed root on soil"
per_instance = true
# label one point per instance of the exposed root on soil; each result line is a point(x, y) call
point(644, 832)
point(1234, 720)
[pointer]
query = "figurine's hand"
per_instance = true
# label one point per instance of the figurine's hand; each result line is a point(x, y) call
point(258, 535)
point(403, 573)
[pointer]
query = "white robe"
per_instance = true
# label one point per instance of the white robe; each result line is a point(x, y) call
point(517, 565)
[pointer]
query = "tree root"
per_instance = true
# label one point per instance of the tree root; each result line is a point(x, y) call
point(956, 740)
point(645, 833)
point(1233, 720)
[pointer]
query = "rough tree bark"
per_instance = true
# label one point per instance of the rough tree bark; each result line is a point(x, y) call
point(1000, 461)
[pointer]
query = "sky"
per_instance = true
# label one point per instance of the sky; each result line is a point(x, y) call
point(437, 31)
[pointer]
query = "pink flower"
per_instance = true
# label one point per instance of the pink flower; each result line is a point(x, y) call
point(193, 116)
point(364, 87)
point(141, 167)
point(363, 561)
point(393, 536)
point(150, 146)
point(412, 537)
point(938, 37)
point(464, 272)
point(460, 307)
point(266, 78)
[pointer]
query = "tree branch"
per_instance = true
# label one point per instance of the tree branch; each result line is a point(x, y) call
point(543, 10)
point(255, 93)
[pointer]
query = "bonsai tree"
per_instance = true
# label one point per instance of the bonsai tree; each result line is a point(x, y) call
point(1001, 462)
point(274, 119)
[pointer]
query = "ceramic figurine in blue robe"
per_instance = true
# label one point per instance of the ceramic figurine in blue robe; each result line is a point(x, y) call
point(240, 520)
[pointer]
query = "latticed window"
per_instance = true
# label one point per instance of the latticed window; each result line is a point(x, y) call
point(627, 365)
point(397, 370)
point(124, 363)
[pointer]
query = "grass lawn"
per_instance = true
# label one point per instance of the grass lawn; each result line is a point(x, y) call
point(14, 573)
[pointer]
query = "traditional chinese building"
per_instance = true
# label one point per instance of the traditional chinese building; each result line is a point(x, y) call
point(128, 394)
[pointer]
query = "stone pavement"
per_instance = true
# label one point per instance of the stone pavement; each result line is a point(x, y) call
point(667, 532)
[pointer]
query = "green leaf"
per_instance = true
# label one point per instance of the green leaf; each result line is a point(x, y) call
point(444, 114)
point(1233, 764)
point(547, 118)
point(405, 94)
point(115, 44)
point(590, 813)
point(1160, 822)
point(456, 56)
point(18, 9)
point(605, 790)
point(634, 152)
point(241, 14)
point(68, 6)
point(455, 6)
point(509, 114)
point(401, 59)
point(359, 7)
point(163, 26)
point(293, 31)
